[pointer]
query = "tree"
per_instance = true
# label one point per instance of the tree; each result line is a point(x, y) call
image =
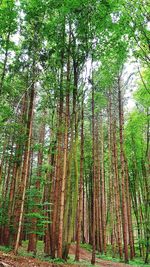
point(74, 162)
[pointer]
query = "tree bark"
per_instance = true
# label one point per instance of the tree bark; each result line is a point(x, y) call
point(80, 204)
point(25, 166)
point(116, 189)
point(103, 200)
point(124, 204)
point(65, 153)
point(33, 236)
point(93, 178)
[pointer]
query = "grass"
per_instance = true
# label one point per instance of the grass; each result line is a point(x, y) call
point(88, 247)
point(5, 249)
point(137, 262)
point(40, 255)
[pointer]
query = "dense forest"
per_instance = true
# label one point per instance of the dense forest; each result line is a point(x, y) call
point(75, 127)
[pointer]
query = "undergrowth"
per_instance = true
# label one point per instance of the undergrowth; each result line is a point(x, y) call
point(137, 262)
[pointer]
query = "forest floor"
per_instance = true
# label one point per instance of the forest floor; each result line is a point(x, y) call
point(10, 260)
point(86, 255)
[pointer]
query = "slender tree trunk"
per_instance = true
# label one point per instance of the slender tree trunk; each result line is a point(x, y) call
point(5, 196)
point(74, 190)
point(93, 176)
point(80, 205)
point(25, 166)
point(100, 210)
point(124, 204)
point(116, 189)
point(65, 153)
point(63, 182)
point(97, 180)
point(111, 200)
point(33, 236)
point(49, 193)
point(55, 212)
point(103, 200)
point(131, 237)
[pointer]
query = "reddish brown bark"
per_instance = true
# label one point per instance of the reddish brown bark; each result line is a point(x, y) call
point(111, 199)
point(103, 200)
point(124, 204)
point(49, 195)
point(129, 212)
point(80, 204)
point(33, 236)
point(58, 168)
point(65, 154)
point(25, 168)
point(63, 181)
point(93, 178)
point(5, 194)
point(97, 180)
point(116, 189)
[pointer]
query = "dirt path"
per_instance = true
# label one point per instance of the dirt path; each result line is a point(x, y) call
point(9, 260)
point(86, 255)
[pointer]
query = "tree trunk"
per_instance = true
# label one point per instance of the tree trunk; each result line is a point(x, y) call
point(25, 166)
point(55, 219)
point(130, 230)
point(116, 189)
point(65, 153)
point(80, 205)
point(93, 177)
point(124, 204)
point(103, 200)
point(33, 236)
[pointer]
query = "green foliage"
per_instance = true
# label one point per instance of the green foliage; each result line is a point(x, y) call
point(5, 249)
point(86, 246)
point(142, 95)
